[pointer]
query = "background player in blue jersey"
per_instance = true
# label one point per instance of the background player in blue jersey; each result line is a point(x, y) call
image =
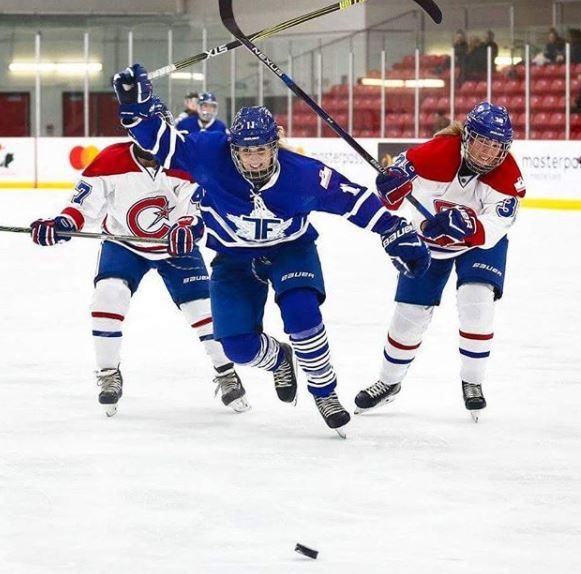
point(207, 117)
point(255, 207)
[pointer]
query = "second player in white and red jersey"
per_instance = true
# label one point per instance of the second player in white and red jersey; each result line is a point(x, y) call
point(126, 191)
point(467, 179)
point(128, 197)
point(440, 178)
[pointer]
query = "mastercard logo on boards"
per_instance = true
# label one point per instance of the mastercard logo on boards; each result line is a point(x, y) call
point(81, 156)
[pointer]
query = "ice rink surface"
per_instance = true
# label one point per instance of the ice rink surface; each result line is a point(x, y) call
point(176, 483)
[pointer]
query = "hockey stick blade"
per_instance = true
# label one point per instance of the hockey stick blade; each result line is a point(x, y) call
point(227, 17)
point(82, 234)
point(432, 9)
point(257, 36)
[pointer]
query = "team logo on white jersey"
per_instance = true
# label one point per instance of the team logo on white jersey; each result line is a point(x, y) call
point(261, 225)
point(149, 217)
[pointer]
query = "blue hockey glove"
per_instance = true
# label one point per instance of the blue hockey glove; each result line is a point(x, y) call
point(395, 183)
point(134, 93)
point(45, 232)
point(184, 234)
point(407, 251)
point(455, 224)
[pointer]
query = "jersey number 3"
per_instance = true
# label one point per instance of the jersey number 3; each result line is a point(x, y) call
point(81, 192)
point(507, 207)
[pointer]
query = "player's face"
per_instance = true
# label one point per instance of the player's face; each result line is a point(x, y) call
point(207, 111)
point(256, 158)
point(192, 104)
point(484, 152)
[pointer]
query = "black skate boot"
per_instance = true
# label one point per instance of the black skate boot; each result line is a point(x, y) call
point(333, 412)
point(473, 399)
point(378, 394)
point(111, 383)
point(229, 385)
point(285, 378)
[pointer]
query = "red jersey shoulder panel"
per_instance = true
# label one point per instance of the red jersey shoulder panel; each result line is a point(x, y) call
point(506, 178)
point(438, 159)
point(179, 174)
point(115, 159)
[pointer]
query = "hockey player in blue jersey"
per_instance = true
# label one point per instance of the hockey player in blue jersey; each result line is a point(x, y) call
point(255, 207)
point(207, 117)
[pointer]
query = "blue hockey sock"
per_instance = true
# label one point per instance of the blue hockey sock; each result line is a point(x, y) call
point(254, 350)
point(314, 357)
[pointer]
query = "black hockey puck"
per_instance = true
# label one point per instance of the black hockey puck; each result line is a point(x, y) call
point(306, 551)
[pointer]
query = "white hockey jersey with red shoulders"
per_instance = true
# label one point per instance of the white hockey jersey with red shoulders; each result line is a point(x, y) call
point(493, 198)
point(126, 198)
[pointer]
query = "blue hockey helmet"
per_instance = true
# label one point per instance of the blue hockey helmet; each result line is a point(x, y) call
point(486, 137)
point(254, 132)
point(207, 106)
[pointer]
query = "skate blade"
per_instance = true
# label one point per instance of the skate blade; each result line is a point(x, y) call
point(341, 433)
point(361, 410)
point(475, 415)
point(240, 405)
point(110, 410)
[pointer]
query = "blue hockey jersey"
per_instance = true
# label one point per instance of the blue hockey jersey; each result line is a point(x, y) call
point(192, 125)
point(241, 219)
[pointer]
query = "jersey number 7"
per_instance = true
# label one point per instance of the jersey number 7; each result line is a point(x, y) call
point(81, 192)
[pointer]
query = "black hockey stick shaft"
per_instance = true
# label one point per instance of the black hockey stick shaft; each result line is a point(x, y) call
point(227, 16)
point(432, 9)
point(263, 34)
point(153, 240)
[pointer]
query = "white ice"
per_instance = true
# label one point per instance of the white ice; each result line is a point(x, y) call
point(176, 483)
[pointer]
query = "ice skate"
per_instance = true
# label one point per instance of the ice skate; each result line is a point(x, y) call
point(111, 383)
point(473, 399)
point(285, 378)
point(378, 394)
point(333, 412)
point(232, 392)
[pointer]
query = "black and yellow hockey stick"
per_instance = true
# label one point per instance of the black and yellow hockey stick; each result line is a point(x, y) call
point(227, 16)
point(257, 36)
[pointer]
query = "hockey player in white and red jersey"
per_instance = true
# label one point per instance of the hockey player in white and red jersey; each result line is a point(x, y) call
point(126, 189)
point(467, 178)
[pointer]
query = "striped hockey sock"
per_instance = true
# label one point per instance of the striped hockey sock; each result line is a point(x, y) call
point(476, 316)
point(397, 358)
point(110, 304)
point(270, 356)
point(198, 315)
point(313, 356)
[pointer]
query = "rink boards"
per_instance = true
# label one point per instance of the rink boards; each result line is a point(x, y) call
point(551, 168)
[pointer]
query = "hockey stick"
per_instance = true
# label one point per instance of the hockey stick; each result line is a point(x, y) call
point(432, 9)
point(91, 235)
point(266, 33)
point(227, 16)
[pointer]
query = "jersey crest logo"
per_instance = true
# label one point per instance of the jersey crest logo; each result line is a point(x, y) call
point(149, 217)
point(261, 225)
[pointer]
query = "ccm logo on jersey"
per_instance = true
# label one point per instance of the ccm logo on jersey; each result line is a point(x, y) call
point(149, 217)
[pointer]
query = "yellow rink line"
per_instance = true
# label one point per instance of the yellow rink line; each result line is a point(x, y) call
point(530, 202)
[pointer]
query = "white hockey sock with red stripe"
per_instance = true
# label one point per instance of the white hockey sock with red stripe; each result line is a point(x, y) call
point(110, 304)
point(476, 316)
point(408, 325)
point(199, 317)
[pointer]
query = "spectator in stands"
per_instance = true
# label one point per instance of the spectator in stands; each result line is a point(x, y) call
point(475, 63)
point(574, 37)
point(554, 50)
point(460, 48)
point(489, 41)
